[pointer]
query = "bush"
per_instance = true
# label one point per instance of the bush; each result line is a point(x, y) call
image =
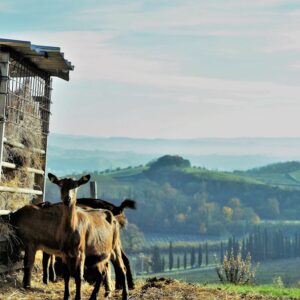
point(236, 270)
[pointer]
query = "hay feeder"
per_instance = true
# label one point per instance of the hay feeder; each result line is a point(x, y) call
point(26, 72)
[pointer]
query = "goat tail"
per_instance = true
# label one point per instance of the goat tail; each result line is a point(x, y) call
point(127, 203)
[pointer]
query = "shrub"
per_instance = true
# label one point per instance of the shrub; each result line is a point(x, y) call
point(236, 270)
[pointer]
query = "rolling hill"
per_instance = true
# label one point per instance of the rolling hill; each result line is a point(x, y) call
point(173, 196)
point(285, 175)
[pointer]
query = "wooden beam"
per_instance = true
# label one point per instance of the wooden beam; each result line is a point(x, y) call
point(14, 166)
point(4, 76)
point(21, 146)
point(93, 189)
point(20, 190)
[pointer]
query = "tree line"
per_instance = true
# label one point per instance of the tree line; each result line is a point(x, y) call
point(263, 243)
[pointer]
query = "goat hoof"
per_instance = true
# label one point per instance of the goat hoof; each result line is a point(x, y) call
point(26, 286)
point(45, 281)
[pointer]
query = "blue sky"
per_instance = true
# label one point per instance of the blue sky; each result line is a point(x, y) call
point(169, 68)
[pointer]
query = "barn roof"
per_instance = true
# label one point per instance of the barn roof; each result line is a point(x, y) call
point(46, 58)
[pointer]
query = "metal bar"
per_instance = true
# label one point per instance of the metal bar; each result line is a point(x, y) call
point(4, 73)
point(20, 190)
point(14, 166)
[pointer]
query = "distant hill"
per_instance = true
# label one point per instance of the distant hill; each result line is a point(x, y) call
point(173, 196)
point(285, 175)
point(68, 154)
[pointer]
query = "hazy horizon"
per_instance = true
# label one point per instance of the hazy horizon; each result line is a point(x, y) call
point(176, 138)
point(169, 69)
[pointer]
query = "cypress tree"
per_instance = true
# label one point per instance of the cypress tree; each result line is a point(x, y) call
point(221, 253)
point(185, 260)
point(266, 244)
point(206, 253)
point(163, 264)
point(243, 249)
point(192, 256)
point(170, 256)
point(156, 260)
point(178, 262)
point(200, 255)
point(229, 245)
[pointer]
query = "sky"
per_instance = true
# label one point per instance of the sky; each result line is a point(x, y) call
point(169, 68)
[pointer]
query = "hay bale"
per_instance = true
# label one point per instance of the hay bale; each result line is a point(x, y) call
point(10, 243)
point(24, 126)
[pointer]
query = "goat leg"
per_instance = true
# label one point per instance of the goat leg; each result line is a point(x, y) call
point(99, 276)
point(52, 273)
point(28, 265)
point(78, 284)
point(46, 259)
point(129, 276)
point(107, 282)
point(120, 263)
point(66, 275)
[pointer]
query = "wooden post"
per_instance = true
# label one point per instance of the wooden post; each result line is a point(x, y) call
point(4, 76)
point(93, 189)
point(40, 178)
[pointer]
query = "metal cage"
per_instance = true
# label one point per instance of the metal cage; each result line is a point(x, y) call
point(25, 98)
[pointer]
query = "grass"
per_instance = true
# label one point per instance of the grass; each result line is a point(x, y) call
point(267, 273)
point(266, 290)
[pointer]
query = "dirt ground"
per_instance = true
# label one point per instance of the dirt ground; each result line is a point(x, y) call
point(153, 288)
point(150, 289)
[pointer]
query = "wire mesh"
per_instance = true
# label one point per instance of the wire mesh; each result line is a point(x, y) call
point(28, 100)
point(27, 113)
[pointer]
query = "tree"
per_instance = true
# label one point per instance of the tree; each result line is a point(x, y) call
point(170, 256)
point(273, 207)
point(178, 262)
point(228, 212)
point(206, 253)
point(132, 239)
point(185, 259)
point(157, 262)
point(200, 255)
point(221, 253)
point(163, 264)
point(192, 256)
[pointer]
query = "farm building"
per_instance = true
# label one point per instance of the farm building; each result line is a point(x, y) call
point(26, 72)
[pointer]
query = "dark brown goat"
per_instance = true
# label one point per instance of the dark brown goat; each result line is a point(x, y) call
point(93, 238)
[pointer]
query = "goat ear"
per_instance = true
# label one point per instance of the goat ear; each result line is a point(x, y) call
point(84, 179)
point(53, 178)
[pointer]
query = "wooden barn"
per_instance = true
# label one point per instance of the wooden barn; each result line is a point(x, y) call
point(26, 72)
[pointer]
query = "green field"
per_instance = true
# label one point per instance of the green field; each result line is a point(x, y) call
point(267, 273)
point(266, 290)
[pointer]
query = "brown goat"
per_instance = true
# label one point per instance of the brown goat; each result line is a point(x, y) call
point(39, 229)
point(93, 237)
point(49, 271)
